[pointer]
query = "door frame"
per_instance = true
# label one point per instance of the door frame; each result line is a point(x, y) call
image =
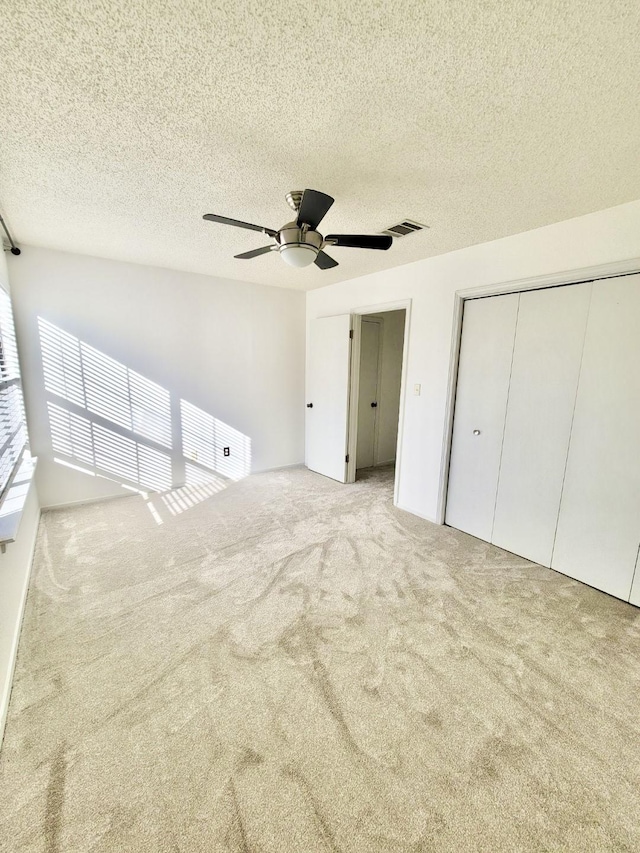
point(560, 279)
point(356, 326)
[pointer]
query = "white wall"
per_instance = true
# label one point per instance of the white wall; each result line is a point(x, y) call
point(15, 569)
point(234, 350)
point(598, 238)
point(389, 382)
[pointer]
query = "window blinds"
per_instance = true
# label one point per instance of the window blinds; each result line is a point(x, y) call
point(13, 429)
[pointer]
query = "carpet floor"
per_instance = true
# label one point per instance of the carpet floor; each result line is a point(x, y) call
point(290, 665)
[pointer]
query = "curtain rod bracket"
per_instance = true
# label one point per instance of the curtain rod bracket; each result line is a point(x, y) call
point(12, 247)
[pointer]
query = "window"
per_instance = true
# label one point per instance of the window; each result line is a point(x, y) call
point(13, 429)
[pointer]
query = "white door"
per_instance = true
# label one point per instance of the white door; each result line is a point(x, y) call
point(368, 393)
point(599, 525)
point(328, 367)
point(488, 332)
point(542, 393)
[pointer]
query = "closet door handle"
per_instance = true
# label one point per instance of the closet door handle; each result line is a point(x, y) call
point(309, 405)
point(374, 405)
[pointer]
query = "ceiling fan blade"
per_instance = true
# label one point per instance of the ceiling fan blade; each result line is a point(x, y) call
point(360, 241)
point(324, 261)
point(313, 208)
point(254, 253)
point(224, 220)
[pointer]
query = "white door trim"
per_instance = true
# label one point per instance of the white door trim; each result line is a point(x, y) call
point(400, 305)
point(559, 279)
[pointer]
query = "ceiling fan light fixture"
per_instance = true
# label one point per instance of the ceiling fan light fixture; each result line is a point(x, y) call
point(298, 255)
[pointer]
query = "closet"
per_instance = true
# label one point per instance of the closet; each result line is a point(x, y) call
point(545, 457)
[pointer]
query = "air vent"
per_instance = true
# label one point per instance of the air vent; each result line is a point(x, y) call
point(407, 226)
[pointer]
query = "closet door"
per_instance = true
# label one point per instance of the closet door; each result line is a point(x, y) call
point(370, 339)
point(488, 332)
point(599, 525)
point(542, 393)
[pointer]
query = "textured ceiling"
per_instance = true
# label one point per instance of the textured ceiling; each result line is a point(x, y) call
point(122, 122)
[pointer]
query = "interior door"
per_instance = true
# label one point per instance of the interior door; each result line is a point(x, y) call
point(368, 393)
point(488, 332)
point(328, 371)
point(542, 393)
point(599, 525)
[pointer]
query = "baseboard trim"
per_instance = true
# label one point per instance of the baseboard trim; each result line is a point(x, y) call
point(279, 468)
point(87, 501)
point(419, 514)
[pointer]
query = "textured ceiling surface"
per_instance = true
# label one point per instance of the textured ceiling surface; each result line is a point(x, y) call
point(122, 122)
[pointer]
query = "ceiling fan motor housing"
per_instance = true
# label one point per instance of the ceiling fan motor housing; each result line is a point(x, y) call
point(298, 247)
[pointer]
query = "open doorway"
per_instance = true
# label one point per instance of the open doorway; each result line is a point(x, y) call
point(379, 369)
point(335, 447)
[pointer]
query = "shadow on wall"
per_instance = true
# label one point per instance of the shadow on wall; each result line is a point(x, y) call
point(108, 421)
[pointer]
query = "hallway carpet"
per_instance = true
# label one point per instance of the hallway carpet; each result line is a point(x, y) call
point(291, 666)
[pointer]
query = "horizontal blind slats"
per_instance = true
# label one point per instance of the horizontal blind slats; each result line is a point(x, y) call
point(13, 428)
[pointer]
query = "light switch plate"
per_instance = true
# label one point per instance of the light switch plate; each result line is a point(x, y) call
point(416, 390)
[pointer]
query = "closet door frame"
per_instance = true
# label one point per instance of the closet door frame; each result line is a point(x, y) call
point(560, 279)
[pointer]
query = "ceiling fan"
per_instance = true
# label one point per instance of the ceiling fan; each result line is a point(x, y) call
point(298, 241)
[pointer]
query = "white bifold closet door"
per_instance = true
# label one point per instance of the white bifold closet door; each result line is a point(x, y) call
point(542, 393)
point(599, 524)
point(488, 332)
point(545, 458)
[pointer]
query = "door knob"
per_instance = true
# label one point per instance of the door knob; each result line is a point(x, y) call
point(309, 405)
point(374, 405)
point(476, 432)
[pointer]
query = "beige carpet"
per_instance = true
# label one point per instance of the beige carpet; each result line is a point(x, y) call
point(294, 666)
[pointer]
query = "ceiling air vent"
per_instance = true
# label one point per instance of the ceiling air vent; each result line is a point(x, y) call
point(407, 226)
